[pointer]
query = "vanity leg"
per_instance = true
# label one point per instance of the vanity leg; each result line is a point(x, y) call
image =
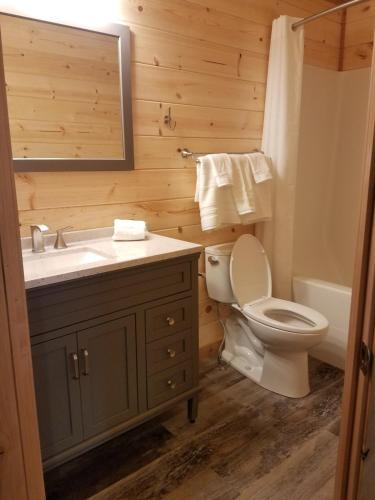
point(193, 408)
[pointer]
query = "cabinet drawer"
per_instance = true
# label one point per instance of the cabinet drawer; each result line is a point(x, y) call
point(167, 319)
point(169, 351)
point(58, 306)
point(169, 383)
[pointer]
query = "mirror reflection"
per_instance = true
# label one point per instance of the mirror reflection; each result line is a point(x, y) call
point(64, 91)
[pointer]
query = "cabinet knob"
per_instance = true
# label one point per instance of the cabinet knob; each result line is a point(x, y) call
point(171, 353)
point(171, 384)
point(171, 321)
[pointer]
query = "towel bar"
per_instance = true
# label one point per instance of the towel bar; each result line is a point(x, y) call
point(186, 153)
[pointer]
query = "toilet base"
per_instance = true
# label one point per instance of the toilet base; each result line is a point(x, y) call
point(243, 366)
point(283, 372)
point(286, 373)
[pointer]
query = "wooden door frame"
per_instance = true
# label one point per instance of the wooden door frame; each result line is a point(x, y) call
point(361, 326)
point(21, 475)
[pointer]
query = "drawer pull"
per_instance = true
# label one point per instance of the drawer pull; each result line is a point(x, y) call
point(75, 365)
point(85, 353)
point(171, 384)
point(171, 353)
point(171, 321)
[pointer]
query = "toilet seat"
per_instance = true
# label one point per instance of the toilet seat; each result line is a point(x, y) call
point(251, 281)
point(285, 315)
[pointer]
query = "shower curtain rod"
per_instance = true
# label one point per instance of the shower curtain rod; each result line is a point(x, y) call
point(345, 5)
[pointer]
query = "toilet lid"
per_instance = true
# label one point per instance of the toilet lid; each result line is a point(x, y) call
point(250, 272)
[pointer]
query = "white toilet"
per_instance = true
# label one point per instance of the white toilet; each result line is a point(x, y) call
point(268, 339)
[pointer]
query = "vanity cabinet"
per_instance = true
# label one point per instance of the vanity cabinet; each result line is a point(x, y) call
point(108, 377)
point(112, 350)
point(58, 395)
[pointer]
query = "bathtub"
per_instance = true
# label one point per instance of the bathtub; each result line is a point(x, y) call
point(333, 301)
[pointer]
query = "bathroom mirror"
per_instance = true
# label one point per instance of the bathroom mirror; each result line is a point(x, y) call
point(69, 95)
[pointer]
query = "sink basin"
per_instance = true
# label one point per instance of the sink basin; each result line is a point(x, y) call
point(62, 259)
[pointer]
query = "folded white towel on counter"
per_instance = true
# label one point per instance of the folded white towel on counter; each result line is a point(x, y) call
point(129, 230)
point(242, 187)
point(222, 167)
point(260, 167)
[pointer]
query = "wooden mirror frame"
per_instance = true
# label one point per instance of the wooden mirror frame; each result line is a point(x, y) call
point(122, 33)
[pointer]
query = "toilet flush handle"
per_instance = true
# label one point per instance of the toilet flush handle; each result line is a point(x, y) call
point(213, 260)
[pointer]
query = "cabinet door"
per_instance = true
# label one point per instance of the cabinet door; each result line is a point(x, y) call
point(56, 376)
point(108, 374)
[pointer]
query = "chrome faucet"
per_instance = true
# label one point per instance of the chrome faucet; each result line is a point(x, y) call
point(37, 231)
point(60, 242)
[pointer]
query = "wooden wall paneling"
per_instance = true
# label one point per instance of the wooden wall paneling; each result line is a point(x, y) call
point(357, 56)
point(159, 214)
point(170, 50)
point(359, 32)
point(155, 83)
point(196, 121)
point(195, 235)
point(70, 189)
point(213, 25)
point(324, 30)
point(367, 9)
point(153, 152)
point(20, 461)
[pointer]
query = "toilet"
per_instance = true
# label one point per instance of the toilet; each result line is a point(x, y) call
point(266, 339)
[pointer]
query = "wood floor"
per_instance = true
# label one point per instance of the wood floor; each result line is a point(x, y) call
point(247, 443)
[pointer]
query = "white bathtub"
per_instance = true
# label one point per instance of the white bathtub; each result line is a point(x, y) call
point(333, 301)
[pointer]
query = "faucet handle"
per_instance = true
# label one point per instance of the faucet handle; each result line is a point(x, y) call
point(41, 227)
point(60, 242)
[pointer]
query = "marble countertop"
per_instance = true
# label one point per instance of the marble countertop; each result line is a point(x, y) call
point(93, 252)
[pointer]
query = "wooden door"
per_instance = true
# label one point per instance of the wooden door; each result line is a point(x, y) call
point(20, 461)
point(56, 376)
point(108, 374)
point(356, 454)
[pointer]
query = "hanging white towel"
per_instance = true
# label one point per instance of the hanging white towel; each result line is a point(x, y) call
point(216, 204)
point(222, 168)
point(242, 187)
point(128, 230)
point(260, 167)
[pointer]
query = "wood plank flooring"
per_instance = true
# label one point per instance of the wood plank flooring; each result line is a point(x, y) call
point(247, 443)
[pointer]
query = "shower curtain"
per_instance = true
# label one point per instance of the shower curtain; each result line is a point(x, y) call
point(280, 143)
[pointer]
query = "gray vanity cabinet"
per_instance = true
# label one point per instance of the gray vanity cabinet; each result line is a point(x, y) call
point(108, 375)
point(85, 383)
point(58, 394)
point(111, 351)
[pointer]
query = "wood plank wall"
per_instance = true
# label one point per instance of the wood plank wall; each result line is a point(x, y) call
point(207, 61)
point(359, 35)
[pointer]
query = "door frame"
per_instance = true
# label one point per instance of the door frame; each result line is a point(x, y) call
point(20, 457)
point(361, 326)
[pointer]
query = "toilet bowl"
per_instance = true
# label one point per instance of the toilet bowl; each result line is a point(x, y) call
point(240, 274)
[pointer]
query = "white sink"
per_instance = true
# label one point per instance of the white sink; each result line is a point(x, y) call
point(63, 259)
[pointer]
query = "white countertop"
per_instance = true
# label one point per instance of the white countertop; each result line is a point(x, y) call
point(93, 252)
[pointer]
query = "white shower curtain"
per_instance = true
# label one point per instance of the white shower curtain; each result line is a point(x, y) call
point(280, 143)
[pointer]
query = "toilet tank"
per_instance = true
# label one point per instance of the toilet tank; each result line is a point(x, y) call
point(217, 259)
